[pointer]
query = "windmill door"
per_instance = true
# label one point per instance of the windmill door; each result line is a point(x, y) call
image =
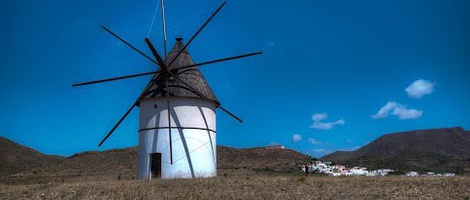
point(156, 165)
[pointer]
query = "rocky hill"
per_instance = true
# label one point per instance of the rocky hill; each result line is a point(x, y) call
point(15, 158)
point(19, 161)
point(446, 149)
point(259, 159)
point(116, 161)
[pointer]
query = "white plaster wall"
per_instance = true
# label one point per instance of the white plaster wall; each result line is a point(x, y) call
point(194, 150)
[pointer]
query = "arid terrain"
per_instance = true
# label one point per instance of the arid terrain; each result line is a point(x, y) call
point(251, 173)
point(249, 187)
point(21, 164)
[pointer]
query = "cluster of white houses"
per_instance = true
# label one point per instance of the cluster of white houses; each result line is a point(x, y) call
point(412, 173)
point(341, 170)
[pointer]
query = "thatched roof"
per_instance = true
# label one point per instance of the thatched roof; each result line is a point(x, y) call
point(192, 76)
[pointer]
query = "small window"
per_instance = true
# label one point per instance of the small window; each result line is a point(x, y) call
point(155, 105)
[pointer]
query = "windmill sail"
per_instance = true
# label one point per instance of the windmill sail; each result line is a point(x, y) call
point(177, 131)
point(190, 75)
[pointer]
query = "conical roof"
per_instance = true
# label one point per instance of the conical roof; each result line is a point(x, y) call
point(192, 76)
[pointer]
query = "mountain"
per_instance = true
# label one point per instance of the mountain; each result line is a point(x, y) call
point(26, 162)
point(15, 158)
point(446, 149)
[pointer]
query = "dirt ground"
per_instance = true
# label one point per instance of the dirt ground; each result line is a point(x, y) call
point(246, 187)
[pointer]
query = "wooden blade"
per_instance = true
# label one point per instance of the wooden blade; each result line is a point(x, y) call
point(117, 124)
point(203, 96)
point(163, 28)
point(156, 72)
point(228, 112)
point(221, 60)
point(128, 44)
point(169, 119)
point(127, 113)
point(115, 78)
point(198, 31)
point(157, 56)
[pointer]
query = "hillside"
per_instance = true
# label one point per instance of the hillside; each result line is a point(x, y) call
point(446, 149)
point(91, 163)
point(259, 159)
point(23, 161)
point(15, 158)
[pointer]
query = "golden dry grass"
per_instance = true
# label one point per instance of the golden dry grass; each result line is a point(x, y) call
point(250, 187)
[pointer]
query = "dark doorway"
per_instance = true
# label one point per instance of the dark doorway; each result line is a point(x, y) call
point(156, 165)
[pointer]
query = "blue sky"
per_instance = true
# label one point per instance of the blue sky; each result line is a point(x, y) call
point(334, 75)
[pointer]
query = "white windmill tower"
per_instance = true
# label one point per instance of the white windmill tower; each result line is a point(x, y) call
point(177, 128)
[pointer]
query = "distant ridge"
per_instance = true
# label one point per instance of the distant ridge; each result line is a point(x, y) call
point(446, 149)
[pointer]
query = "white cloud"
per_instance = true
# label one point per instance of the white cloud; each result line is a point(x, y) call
point(319, 116)
point(384, 111)
point(296, 137)
point(313, 141)
point(404, 113)
point(317, 124)
point(322, 151)
point(349, 140)
point(419, 88)
point(399, 110)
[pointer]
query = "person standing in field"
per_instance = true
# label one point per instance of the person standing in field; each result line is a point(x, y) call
point(307, 167)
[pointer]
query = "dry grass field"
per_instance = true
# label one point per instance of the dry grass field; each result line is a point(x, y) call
point(253, 173)
point(248, 187)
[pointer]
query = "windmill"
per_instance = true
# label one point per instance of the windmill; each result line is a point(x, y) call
point(177, 124)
